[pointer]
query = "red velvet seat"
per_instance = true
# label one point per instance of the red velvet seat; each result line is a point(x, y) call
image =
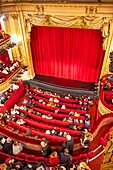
point(50, 127)
point(106, 136)
point(90, 154)
point(82, 157)
point(31, 158)
point(75, 159)
point(39, 158)
point(22, 155)
point(103, 142)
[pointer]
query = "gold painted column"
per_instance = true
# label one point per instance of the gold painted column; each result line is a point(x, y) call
point(15, 26)
point(105, 66)
point(25, 42)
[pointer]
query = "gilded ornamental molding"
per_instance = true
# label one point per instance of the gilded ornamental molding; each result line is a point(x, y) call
point(107, 163)
point(102, 109)
point(92, 22)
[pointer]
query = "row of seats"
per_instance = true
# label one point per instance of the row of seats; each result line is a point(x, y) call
point(6, 76)
point(69, 106)
point(55, 115)
point(50, 108)
point(41, 126)
point(36, 159)
point(64, 100)
point(54, 120)
point(24, 129)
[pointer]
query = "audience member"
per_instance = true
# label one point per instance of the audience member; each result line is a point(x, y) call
point(83, 166)
point(69, 144)
point(29, 166)
point(45, 148)
point(53, 159)
point(65, 157)
point(8, 146)
point(86, 139)
point(16, 147)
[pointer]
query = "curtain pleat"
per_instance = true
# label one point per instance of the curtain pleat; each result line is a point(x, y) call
point(70, 53)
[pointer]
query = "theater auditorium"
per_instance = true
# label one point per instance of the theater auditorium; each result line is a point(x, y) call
point(56, 84)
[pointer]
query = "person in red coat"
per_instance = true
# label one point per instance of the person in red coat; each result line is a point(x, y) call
point(53, 159)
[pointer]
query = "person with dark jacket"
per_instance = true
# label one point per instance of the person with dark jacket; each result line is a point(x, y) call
point(46, 150)
point(7, 146)
point(29, 166)
point(65, 157)
point(69, 144)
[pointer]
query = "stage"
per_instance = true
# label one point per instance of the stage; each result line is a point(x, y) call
point(61, 85)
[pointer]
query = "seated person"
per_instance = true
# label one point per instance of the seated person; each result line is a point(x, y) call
point(69, 119)
point(20, 121)
point(83, 166)
point(2, 120)
point(74, 127)
point(107, 86)
point(63, 107)
point(86, 139)
point(110, 78)
point(29, 166)
point(87, 120)
point(15, 87)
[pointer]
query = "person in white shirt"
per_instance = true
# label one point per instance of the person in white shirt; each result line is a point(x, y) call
point(16, 147)
point(15, 87)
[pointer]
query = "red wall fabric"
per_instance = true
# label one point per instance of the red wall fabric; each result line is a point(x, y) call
point(5, 58)
point(69, 53)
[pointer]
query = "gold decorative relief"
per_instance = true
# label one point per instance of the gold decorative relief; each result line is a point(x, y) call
point(40, 9)
point(105, 33)
point(14, 16)
point(28, 26)
point(102, 109)
point(107, 163)
point(66, 21)
point(90, 10)
point(30, 58)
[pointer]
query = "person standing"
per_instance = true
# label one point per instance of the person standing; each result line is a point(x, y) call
point(69, 144)
point(46, 150)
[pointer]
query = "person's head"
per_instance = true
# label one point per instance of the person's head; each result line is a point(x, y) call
point(8, 140)
point(66, 151)
point(16, 143)
point(89, 136)
point(30, 165)
point(17, 166)
point(3, 167)
point(68, 137)
point(62, 168)
point(56, 111)
point(74, 127)
point(53, 154)
point(43, 143)
point(71, 113)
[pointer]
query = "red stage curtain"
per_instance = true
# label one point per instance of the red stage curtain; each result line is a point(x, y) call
point(69, 53)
